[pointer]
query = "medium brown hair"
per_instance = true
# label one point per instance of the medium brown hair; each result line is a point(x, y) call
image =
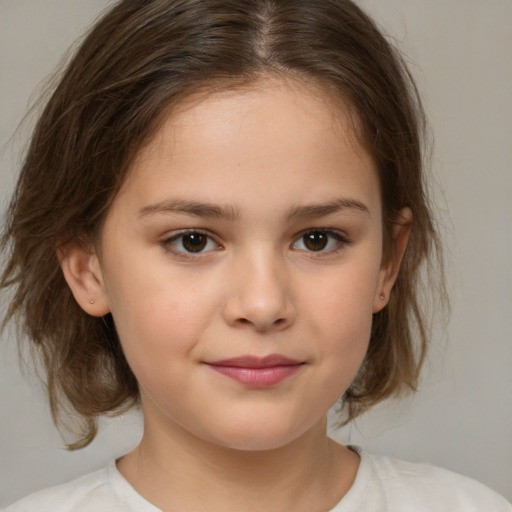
point(141, 58)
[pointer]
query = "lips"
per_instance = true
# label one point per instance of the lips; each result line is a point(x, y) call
point(257, 372)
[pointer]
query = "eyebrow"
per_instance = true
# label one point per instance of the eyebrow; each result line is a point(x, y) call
point(194, 208)
point(199, 209)
point(320, 210)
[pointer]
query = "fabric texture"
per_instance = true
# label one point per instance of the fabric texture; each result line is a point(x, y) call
point(382, 484)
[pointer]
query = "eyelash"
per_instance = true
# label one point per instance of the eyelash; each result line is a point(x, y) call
point(340, 240)
point(169, 243)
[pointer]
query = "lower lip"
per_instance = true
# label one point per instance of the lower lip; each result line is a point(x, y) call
point(258, 377)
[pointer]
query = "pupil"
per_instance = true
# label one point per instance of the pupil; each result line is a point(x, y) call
point(194, 242)
point(315, 241)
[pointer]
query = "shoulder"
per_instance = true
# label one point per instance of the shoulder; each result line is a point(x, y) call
point(397, 486)
point(89, 492)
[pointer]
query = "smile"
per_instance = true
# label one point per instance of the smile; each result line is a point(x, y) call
point(257, 372)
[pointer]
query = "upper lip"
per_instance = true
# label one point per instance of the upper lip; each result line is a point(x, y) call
point(256, 362)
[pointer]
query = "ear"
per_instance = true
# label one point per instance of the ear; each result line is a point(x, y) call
point(82, 271)
point(392, 258)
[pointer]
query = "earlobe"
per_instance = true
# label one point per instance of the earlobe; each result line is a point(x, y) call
point(82, 272)
point(392, 261)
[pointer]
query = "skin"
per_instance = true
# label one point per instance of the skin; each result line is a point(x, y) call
point(263, 166)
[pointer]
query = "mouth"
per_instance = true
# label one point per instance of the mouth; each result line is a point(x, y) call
point(256, 372)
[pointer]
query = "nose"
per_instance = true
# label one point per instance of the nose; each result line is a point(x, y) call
point(259, 294)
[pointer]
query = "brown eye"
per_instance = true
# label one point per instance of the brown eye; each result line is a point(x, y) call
point(316, 240)
point(190, 242)
point(320, 240)
point(194, 242)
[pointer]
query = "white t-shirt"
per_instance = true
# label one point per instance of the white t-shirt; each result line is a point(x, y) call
point(382, 484)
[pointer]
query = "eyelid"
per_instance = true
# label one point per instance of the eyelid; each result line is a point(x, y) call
point(341, 240)
point(170, 238)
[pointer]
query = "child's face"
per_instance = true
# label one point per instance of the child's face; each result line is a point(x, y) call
point(249, 227)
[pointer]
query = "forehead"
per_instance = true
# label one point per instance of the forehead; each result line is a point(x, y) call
point(219, 104)
point(269, 129)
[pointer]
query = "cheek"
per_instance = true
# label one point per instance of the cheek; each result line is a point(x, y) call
point(341, 318)
point(345, 334)
point(343, 300)
point(342, 333)
point(160, 316)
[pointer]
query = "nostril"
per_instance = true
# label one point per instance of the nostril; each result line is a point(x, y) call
point(260, 325)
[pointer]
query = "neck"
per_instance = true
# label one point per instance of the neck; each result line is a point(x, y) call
point(175, 470)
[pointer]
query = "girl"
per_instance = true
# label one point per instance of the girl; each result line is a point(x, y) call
point(222, 217)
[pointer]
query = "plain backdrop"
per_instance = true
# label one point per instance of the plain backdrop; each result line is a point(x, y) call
point(461, 55)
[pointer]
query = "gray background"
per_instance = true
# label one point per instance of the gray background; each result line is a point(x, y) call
point(461, 55)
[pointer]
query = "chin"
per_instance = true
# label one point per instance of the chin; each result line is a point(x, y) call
point(256, 445)
point(261, 436)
